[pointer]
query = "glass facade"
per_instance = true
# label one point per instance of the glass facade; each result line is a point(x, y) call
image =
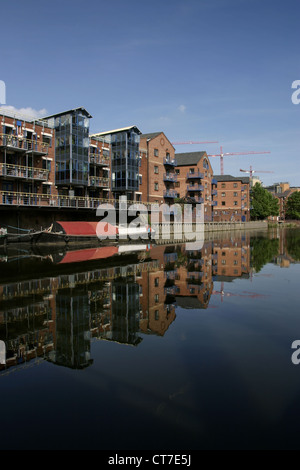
point(72, 147)
point(125, 162)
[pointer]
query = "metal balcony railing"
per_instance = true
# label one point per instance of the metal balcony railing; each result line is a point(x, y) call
point(23, 172)
point(195, 187)
point(196, 175)
point(99, 160)
point(214, 181)
point(19, 143)
point(170, 194)
point(214, 192)
point(170, 161)
point(171, 177)
point(98, 182)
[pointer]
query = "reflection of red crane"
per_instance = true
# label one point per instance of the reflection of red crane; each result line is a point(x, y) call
point(251, 295)
point(251, 171)
point(222, 155)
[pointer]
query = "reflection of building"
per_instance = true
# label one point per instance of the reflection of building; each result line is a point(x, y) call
point(194, 277)
point(72, 334)
point(232, 258)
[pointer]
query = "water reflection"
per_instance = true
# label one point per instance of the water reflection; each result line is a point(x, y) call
point(53, 305)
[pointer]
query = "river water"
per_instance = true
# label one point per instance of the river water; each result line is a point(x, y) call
point(177, 347)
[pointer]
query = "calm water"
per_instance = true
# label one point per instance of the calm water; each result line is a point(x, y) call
point(170, 347)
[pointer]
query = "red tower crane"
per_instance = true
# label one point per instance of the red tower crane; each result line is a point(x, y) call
point(222, 155)
point(251, 171)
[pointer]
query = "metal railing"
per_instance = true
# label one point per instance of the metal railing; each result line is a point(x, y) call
point(195, 187)
point(23, 172)
point(170, 161)
point(170, 194)
point(196, 174)
point(99, 160)
point(98, 182)
point(20, 143)
point(172, 177)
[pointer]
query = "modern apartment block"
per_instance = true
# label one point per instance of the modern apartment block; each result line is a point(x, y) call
point(232, 199)
point(157, 172)
point(195, 181)
point(27, 160)
point(125, 161)
point(71, 151)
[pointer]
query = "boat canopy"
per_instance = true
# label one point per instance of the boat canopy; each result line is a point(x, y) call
point(91, 229)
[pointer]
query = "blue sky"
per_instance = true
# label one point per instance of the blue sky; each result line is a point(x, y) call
point(198, 70)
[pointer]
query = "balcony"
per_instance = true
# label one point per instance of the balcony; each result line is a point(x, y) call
point(20, 144)
point(98, 182)
point(11, 198)
point(170, 194)
point(214, 192)
point(171, 177)
point(214, 203)
point(99, 160)
point(170, 161)
point(196, 199)
point(195, 187)
point(195, 175)
point(214, 181)
point(23, 172)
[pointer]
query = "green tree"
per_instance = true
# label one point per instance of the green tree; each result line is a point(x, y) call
point(293, 206)
point(263, 204)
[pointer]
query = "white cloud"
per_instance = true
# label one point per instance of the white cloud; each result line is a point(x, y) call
point(182, 108)
point(30, 112)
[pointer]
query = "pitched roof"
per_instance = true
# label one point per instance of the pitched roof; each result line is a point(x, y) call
point(69, 111)
point(224, 178)
point(151, 135)
point(189, 158)
point(114, 131)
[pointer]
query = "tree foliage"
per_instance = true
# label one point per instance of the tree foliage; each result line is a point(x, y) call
point(293, 206)
point(263, 203)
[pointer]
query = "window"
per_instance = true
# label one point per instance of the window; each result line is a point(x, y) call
point(192, 171)
point(223, 261)
point(235, 194)
point(235, 203)
point(140, 179)
point(235, 185)
point(156, 282)
point(177, 171)
point(156, 315)
point(223, 194)
point(156, 298)
point(223, 185)
point(47, 165)
point(156, 170)
point(156, 152)
point(223, 203)
point(177, 185)
point(155, 186)
point(235, 262)
point(223, 253)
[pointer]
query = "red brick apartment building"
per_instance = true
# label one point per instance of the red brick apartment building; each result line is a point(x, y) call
point(157, 170)
point(195, 181)
point(232, 199)
point(27, 160)
point(99, 168)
